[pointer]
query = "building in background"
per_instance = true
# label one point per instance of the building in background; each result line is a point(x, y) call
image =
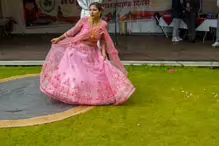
point(57, 16)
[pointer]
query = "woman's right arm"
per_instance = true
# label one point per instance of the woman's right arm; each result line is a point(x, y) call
point(70, 33)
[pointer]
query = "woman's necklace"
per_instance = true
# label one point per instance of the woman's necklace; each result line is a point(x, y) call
point(94, 31)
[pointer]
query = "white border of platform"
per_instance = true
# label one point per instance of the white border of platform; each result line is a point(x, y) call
point(151, 63)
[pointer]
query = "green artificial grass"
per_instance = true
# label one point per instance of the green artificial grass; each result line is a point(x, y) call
point(168, 109)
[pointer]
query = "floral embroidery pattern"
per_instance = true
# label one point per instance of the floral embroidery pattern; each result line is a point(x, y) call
point(78, 74)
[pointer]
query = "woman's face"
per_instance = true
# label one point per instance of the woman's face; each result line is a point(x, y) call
point(94, 12)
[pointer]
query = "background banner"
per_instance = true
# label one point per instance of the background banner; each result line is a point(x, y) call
point(52, 12)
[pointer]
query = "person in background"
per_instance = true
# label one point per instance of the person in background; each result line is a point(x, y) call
point(191, 8)
point(177, 13)
point(216, 44)
point(30, 11)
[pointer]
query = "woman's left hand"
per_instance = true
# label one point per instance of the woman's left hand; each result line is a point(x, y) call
point(104, 55)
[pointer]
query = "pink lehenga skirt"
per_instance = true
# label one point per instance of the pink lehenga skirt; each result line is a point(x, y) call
point(78, 74)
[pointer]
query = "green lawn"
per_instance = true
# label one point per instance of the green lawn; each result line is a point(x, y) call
point(167, 109)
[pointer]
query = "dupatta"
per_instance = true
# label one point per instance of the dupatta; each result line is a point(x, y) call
point(79, 35)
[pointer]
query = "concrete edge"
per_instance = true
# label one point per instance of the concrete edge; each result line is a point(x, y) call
point(136, 63)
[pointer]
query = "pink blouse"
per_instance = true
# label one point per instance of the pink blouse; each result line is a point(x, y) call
point(83, 25)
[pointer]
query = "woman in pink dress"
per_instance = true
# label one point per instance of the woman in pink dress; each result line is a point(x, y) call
point(76, 71)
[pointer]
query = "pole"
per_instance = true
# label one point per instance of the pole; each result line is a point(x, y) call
point(116, 37)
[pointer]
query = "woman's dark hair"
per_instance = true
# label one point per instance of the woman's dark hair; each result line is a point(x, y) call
point(98, 6)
